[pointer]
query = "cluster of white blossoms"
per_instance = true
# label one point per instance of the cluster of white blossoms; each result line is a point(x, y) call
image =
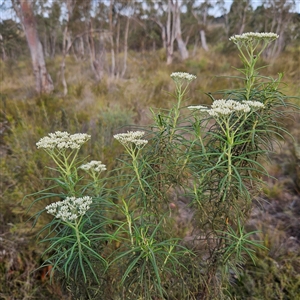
point(256, 104)
point(70, 209)
point(131, 137)
point(176, 76)
point(63, 140)
point(254, 36)
point(227, 107)
point(93, 165)
point(197, 107)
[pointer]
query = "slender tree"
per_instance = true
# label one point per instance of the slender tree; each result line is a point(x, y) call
point(201, 14)
point(170, 34)
point(3, 56)
point(167, 15)
point(239, 15)
point(66, 44)
point(125, 47)
point(178, 33)
point(24, 11)
point(277, 17)
point(111, 31)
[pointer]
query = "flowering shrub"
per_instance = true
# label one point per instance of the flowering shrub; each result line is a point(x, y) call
point(119, 229)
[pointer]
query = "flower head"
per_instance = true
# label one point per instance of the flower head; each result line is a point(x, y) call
point(250, 36)
point(69, 209)
point(227, 107)
point(197, 107)
point(179, 76)
point(255, 104)
point(131, 137)
point(63, 140)
point(93, 165)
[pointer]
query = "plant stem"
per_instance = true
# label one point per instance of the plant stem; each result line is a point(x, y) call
point(179, 96)
point(136, 170)
point(129, 222)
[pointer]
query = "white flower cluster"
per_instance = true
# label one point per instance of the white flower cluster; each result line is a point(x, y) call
point(182, 76)
point(255, 104)
point(197, 107)
point(226, 107)
point(131, 137)
point(93, 165)
point(69, 209)
point(253, 35)
point(63, 140)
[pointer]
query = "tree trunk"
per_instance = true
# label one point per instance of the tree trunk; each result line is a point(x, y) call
point(52, 44)
point(45, 46)
point(163, 33)
point(203, 40)
point(101, 56)
point(43, 81)
point(96, 63)
point(280, 14)
point(125, 47)
point(244, 18)
point(177, 28)
point(81, 47)
point(4, 57)
point(195, 46)
point(118, 49)
point(170, 35)
point(63, 61)
point(112, 46)
point(66, 46)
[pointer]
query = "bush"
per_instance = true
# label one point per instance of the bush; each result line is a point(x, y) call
point(116, 228)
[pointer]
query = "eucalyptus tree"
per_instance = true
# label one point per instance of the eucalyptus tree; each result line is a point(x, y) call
point(24, 11)
point(177, 6)
point(53, 26)
point(121, 15)
point(47, 16)
point(79, 35)
point(2, 48)
point(278, 16)
point(167, 15)
point(239, 16)
point(12, 43)
point(66, 43)
point(201, 13)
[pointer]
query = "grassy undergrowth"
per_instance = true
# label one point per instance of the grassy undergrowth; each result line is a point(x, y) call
point(101, 109)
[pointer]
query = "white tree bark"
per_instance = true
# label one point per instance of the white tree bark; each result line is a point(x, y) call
point(170, 34)
point(66, 46)
point(178, 34)
point(2, 48)
point(43, 81)
point(203, 40)
point(125, 47)
point(112, 46)
point(81, 47)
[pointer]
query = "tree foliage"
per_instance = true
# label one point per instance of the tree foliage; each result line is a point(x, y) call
point(104, 32)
